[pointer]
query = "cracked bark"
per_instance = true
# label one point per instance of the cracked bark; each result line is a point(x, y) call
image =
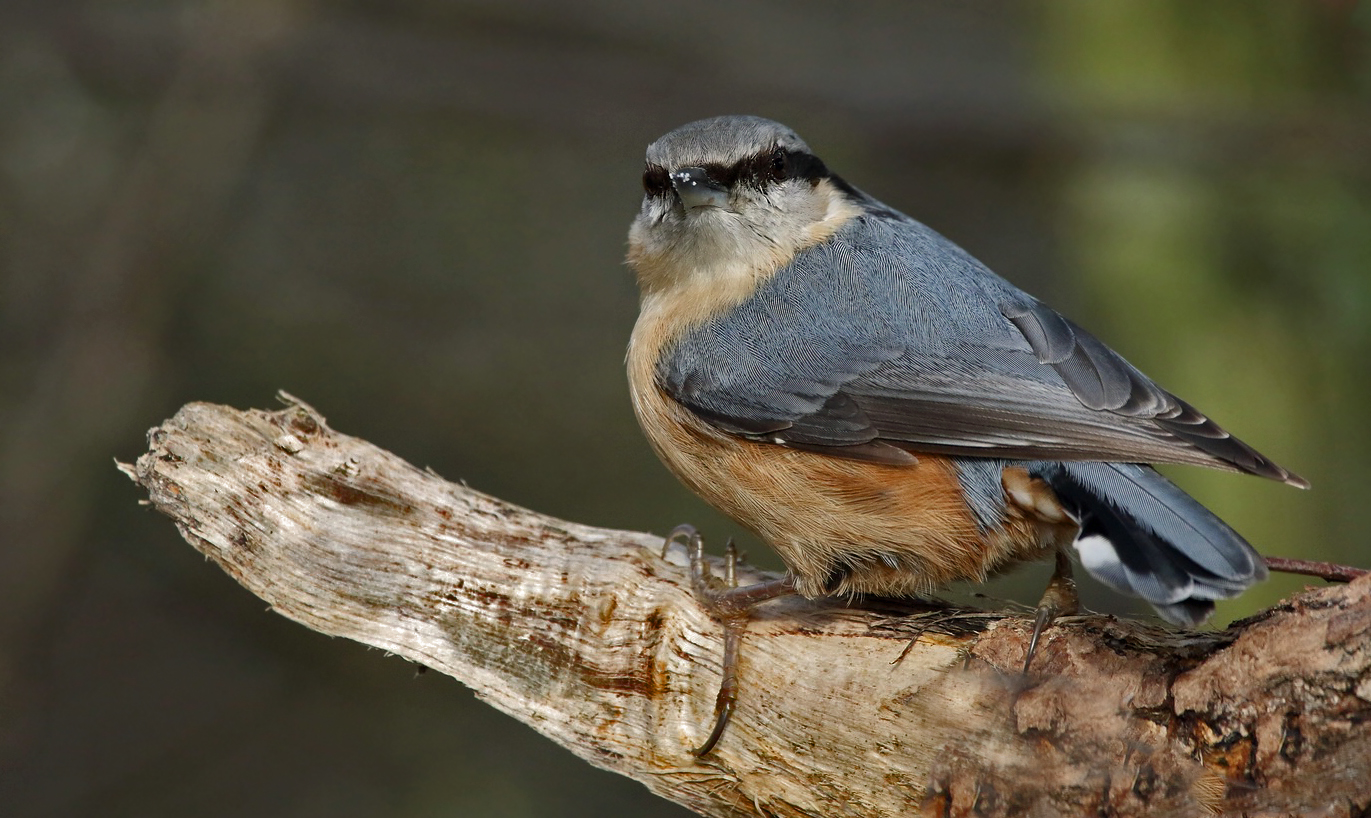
point(594, 639)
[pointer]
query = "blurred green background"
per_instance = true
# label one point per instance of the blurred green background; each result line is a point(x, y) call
point(412, 215)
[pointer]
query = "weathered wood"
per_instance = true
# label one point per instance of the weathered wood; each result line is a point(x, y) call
point(592, 638)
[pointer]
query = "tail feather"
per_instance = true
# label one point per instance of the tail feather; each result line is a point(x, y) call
point(1142, 535)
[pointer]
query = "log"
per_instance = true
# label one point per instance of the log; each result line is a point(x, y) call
point(885, 708)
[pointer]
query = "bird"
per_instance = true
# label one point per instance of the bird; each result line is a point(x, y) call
point(887, 413)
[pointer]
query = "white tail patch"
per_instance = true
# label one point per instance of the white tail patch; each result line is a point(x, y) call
point(1101, 559)
point(1097, 554)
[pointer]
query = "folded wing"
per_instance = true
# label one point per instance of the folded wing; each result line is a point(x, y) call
point(889, 338)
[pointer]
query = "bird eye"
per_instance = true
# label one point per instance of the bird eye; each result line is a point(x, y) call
point(778, 164)
point(772, 166)
point(655, 180)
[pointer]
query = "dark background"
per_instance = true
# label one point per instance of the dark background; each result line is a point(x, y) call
point(412, 215)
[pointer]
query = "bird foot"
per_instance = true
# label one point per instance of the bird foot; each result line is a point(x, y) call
point(1060, 599)
point(731, 606)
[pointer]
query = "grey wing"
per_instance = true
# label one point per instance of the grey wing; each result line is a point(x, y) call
point(1098, 407)
point(890, 337)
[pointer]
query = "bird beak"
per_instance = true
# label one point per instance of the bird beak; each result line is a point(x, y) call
point(696, 189)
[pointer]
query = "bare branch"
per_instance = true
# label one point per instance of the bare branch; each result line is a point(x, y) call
point(592, 638)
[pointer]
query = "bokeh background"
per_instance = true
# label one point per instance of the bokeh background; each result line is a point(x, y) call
point(412, 215)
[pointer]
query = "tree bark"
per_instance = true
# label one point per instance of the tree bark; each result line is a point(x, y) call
point(593, 638)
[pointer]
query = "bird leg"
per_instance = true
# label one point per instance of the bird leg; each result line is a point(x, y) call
point(731, 606)
point(1058, 600)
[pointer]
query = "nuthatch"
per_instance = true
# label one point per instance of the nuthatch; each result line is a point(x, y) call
point(887, 413)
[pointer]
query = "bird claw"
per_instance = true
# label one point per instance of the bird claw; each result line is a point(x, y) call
point(714, 593)
point(1059, 599)
point(731, 606)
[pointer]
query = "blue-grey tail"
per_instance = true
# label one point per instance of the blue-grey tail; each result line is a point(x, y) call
point(1142, 535)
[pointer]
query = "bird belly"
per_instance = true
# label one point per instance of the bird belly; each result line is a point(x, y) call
point(845, 526)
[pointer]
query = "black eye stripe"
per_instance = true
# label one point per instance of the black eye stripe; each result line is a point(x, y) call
point(779, 165)
point(805, 166)
point(770, 166)
point(776, 165)
point(761, 169)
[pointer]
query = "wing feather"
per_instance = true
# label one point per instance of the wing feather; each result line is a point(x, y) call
point(888, 335)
